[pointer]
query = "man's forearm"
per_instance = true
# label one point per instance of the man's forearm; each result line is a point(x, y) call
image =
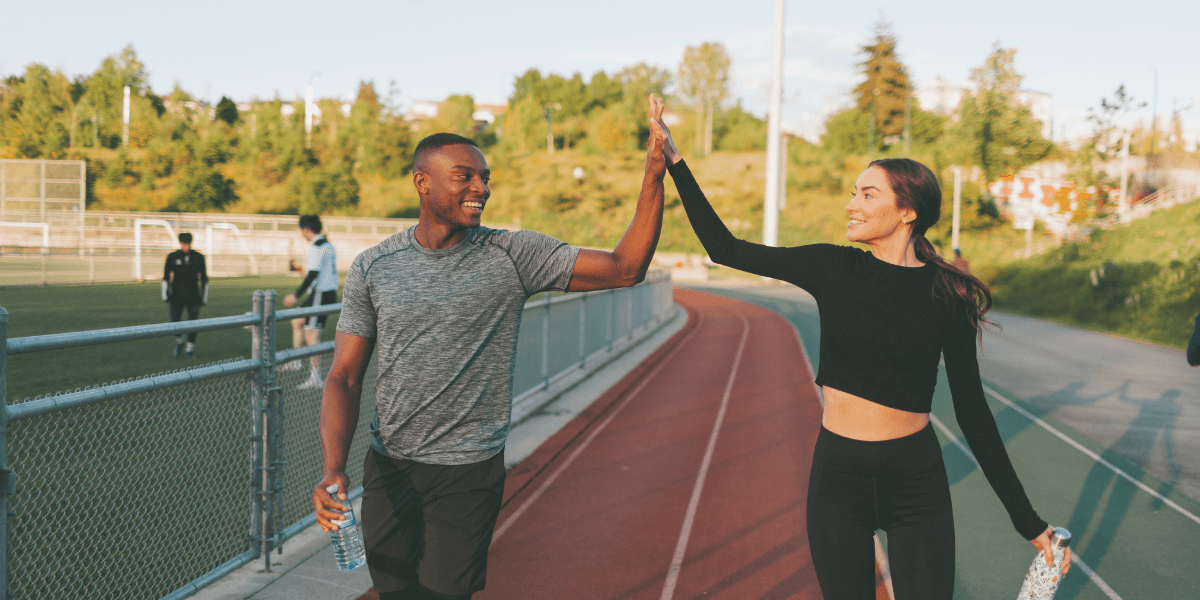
point(339, 418)
point(636, 247)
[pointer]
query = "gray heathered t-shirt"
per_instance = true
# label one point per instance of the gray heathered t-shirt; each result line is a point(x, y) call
point(445, 324)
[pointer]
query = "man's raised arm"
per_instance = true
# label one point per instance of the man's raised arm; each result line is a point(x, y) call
point(627, 264)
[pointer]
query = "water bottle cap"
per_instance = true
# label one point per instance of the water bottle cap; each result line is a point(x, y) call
point(334, 488)
point(1061, 538)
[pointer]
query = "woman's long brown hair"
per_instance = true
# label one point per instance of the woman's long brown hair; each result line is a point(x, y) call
point(916, 187)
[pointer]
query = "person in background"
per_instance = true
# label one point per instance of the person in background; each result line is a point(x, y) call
point(185, 286)
point(1193, 351)
point(959, 262)
point(320, 284)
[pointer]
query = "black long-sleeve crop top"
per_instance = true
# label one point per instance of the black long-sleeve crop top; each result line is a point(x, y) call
point(882, 333)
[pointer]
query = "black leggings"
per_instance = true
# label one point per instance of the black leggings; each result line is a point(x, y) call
point(898, 486)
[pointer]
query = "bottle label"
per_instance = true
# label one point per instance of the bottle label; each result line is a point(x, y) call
point(347, 521)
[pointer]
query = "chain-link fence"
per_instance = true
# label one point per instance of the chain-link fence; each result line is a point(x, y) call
point(157, 486)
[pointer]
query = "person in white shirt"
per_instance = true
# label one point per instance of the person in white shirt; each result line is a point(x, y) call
point(320, 284)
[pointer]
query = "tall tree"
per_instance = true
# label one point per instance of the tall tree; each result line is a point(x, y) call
point(227, 111)
point(105, 91)
point(704, 80)
point(638, 82)
point(35, 112)
point(995, 130)
point(602, 92)
point(455, 115)
point(883, 93)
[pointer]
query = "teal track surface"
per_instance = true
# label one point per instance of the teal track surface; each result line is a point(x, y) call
point(1137, 545)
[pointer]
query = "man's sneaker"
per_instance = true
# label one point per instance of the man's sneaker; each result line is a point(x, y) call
point(191, 354)
point(178, 349)
point(314, 381)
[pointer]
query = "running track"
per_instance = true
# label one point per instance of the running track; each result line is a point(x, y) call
point(686, 480)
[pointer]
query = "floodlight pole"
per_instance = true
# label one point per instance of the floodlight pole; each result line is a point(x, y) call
point(957, 205)
point(125, 120)
point(774, 162)
point(1123, 199)
point(308, 116)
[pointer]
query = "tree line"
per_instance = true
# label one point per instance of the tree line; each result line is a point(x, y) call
point(196, 149)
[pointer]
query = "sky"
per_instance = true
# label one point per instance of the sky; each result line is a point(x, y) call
point(1078, 52)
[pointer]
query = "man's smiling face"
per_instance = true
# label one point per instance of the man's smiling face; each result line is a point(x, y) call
point(453, 183)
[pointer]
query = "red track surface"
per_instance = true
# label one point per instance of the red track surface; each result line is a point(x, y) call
point(609, 524)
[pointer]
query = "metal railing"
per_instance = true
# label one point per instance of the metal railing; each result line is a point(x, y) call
point(133, 489)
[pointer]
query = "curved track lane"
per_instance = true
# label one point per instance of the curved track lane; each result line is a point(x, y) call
point(687, 480)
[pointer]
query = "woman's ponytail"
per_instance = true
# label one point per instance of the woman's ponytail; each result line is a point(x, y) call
point(957, 286)
point(917, 188)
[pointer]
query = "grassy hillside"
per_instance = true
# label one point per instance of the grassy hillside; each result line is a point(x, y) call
point(1146, 280)
point(539, 191)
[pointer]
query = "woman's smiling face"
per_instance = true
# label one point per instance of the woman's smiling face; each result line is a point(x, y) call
point(874, 214)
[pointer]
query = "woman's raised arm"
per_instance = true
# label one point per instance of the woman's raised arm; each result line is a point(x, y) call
point(722, 246)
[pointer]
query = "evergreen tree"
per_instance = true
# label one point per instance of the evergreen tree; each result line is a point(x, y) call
point(883, 93)
point(227, 111)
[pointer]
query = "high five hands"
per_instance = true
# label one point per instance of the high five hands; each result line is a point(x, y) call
point(660, 141)
point(655, 164)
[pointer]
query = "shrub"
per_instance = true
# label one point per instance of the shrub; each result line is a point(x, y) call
point(201, 188)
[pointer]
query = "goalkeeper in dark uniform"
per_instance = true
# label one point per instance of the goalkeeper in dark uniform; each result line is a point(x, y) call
point(185, 285)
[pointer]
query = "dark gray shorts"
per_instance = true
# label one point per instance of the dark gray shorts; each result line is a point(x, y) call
point(429, 523)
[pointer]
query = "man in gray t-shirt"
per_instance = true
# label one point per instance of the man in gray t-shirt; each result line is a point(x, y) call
point(440, 307)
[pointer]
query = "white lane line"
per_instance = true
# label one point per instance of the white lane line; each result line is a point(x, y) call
point(1064, 437)
point(563, 467)
point(1094, 577)
point(689, 519)
point(1108, 591)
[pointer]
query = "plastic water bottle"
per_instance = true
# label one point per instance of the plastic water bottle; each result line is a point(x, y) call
point(347, 541)
point(1042, 581)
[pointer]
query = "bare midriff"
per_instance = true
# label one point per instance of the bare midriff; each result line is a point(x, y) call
point(859, 419)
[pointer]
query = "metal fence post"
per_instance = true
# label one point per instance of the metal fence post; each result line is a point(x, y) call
point(583, 329)
point(270, 429)
point(611, 296)
point(546, 343)
point(274, 414)
point(257, 393)
point(629, 292)
point(8, 479)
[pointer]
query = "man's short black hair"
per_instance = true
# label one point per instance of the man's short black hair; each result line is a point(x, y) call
point(185, 238)
point(311, 222)
point(438, 140)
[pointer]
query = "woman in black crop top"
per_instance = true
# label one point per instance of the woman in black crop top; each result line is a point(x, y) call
point(887, 317)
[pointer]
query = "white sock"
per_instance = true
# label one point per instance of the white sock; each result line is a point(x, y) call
point(190, 346)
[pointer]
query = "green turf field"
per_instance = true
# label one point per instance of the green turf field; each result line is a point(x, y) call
point(42, 310)
point(1135, 542)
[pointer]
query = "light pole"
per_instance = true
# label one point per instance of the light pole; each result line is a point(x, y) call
point(957, 204)
point(550, 126)
point(125, 120)
point(774, 162)
point(308, 110)
point(1154, 116)
point(908, 121)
